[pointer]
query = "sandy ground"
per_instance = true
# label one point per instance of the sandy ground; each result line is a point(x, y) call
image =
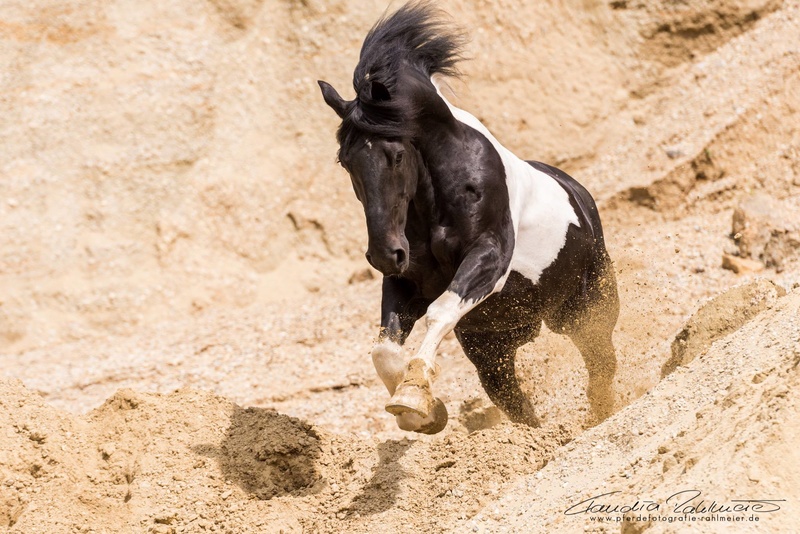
point(186, 315)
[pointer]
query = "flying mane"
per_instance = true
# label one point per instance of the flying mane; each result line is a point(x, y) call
point(415, 36)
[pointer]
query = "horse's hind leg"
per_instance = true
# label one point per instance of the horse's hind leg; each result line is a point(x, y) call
point(589, 321)
point(493, 354)
point(601, 363)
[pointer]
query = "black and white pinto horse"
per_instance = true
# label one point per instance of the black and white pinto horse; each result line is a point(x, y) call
point(465, 233)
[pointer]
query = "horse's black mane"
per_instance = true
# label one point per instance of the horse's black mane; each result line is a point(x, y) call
point(416, 35)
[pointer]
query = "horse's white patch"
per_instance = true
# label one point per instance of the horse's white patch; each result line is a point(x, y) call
point(441, 317)
point(387, 357)
point(540, 208)
point(368, 143)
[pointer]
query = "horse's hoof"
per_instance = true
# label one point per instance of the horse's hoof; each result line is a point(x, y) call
point(410, 398)
point(439, 419)
point(433, 424)
point(602, 403)
point(414, 393)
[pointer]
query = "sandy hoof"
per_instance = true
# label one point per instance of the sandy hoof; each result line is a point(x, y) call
point(414, 393)
point(438, 419)
point(411, 398)
point(601, 399)
point(433, 424)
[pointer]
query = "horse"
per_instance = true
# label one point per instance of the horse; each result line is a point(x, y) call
point(465, 233)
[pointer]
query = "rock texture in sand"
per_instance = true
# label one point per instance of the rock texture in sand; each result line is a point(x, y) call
point(764, 228)
point(719, 317)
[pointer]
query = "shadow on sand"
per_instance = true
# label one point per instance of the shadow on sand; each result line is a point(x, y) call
point(380, 493)
point(268, 454)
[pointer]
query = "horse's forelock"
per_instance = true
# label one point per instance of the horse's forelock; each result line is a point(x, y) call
point(372, 119)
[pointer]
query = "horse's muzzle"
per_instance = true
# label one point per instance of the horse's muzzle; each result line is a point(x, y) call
point(388, 260)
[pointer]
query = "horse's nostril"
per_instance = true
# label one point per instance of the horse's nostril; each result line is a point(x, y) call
point(388, 261)
point(400, 256)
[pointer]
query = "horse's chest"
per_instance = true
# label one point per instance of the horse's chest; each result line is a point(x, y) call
point(444, 247)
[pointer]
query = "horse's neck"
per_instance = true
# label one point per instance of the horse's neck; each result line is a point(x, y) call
point(424, 199)
point(525, 186)
point(467, 118)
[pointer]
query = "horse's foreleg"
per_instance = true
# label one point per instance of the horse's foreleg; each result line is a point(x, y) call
point(482, 273)
point(397, 319)
point(413, 402)
point(398, 315)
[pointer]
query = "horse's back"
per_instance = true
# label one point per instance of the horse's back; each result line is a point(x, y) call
point(581, 200)
point(597, 287)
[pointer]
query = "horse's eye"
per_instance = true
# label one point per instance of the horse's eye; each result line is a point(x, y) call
point(398, 158)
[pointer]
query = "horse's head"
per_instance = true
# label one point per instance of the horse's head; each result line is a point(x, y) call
point(384, 173)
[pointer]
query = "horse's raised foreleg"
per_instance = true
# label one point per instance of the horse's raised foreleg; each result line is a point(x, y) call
point(398, 316)
point(482, 273)
point(413, 402)
point(399, 312)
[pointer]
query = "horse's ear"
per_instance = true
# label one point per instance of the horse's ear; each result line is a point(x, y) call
point(379, 92)
point(333, 99)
